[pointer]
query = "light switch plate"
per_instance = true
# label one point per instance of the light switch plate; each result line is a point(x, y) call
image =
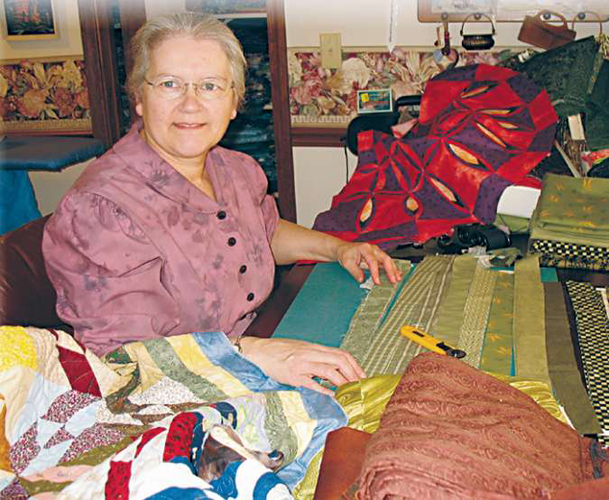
point(331, 50)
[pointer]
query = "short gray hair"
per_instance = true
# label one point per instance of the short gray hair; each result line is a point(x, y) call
point(195, 25)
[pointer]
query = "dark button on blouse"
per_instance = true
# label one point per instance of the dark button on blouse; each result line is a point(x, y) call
point(243, 268)
point(250, 297)
point(231, 242)
point(221, 215)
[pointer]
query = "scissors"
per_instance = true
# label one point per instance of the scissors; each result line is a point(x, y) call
point(430, 342)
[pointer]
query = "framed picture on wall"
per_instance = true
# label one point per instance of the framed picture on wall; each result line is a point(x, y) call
point(29, 19)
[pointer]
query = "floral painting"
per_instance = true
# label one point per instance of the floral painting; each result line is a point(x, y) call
point(29, 19)
point(44, 96)
point(327, 97)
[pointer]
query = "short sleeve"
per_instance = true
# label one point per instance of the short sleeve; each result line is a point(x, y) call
point(108, 275)
point(259, 185)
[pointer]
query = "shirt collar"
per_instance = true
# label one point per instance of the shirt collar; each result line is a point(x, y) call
point(139, 156)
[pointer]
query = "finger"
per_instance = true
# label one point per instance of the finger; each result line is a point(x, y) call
point(393, 273)
point(341, 360)
point(309, 383)
point(354, 270)
point(373, 267)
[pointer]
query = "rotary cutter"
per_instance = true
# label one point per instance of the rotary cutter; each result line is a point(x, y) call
point(433, 344)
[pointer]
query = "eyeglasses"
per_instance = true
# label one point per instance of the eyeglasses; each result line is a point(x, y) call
point(172, 87)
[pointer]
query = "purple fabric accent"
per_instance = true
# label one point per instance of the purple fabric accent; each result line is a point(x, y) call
point(488, 198)
point(543, 140)
point(462, 73)
point(526, 88)
point(436, 206)
point(489, 151)
point(341, 216)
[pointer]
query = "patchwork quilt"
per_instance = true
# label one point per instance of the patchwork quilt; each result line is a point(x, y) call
point(133, 424)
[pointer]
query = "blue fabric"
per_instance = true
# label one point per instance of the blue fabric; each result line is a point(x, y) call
point(324, 409)
point(323, 308)
point(46, 152)
point(17, 200)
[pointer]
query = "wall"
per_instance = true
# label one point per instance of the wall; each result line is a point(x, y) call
point(68, 42)
point(319, 173)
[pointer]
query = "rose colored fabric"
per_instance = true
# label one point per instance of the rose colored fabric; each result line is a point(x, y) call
point(135, 251)
point(453, 432)
point(481, 128)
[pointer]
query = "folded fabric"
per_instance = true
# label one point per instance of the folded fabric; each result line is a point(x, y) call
point(568, 73)
point(572, 210)
point(481, 128)
point(451, 431)
point(570, 255)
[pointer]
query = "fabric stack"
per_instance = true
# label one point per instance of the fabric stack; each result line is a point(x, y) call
point(570, 225)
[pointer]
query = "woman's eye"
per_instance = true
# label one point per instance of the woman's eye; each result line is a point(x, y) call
point(170, 84)
point(210, 87)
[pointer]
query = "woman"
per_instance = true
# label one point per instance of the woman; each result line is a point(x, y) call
point(168, 233)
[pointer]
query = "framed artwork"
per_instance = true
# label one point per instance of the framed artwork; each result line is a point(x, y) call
point(229, 7)
point(29, 19)
point(46, 96)
point(374, 101)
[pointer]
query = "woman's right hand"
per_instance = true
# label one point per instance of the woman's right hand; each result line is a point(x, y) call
point(296, 362)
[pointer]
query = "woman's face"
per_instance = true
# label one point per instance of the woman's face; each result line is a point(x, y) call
point(183, 129)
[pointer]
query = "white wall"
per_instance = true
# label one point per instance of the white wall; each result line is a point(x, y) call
point(319, 172)
point(68, 43)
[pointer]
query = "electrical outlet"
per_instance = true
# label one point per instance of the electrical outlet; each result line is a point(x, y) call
point(331, 50)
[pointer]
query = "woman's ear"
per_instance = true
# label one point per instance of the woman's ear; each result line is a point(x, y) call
point(138, 108)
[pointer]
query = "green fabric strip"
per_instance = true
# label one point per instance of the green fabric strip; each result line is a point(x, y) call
point(498, 344)
point(280, 435)
point(593, 334)
point(477, 307)
point(367, 318)
point(449, 319)
point(529, 321)
point(565, 376)
point(416, 305)
point(165, 357)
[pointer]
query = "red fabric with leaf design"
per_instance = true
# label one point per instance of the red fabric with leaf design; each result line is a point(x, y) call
point(481, 129)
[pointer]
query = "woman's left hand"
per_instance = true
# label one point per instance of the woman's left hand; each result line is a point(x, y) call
point(355, 256)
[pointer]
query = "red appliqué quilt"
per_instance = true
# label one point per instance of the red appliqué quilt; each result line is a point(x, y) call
point(481, 129)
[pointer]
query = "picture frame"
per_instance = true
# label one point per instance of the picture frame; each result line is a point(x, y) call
point(227, 7)
point(29, 20)
point(374, 101)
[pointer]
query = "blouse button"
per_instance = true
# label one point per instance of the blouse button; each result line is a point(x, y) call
point(231, 242)
point(243, 268)
point(221, 215)
point(250, 297)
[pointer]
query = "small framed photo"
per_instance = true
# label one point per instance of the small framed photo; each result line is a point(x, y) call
point(374, 101)
point(29, 20)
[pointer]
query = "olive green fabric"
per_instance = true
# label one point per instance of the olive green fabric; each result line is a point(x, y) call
point(381, 350)
point(572, 210)
point(497, 351)
point(568, 73)
point(475, 316)
point(566, 378)
point(529, 321)
point(447, 324)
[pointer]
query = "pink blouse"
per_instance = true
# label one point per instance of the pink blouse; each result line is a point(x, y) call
point(135, 251)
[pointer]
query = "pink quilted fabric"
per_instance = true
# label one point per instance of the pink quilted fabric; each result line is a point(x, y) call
point(452, 432)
